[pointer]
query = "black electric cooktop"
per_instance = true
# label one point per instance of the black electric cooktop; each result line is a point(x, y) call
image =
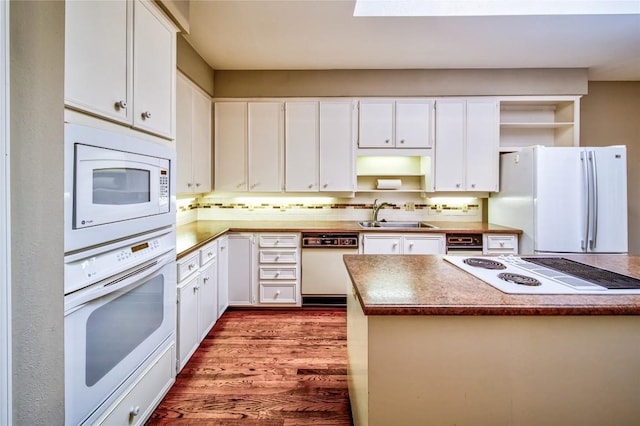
point(602, 277)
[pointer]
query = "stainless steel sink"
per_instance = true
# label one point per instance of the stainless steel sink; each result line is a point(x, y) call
point(395, 224)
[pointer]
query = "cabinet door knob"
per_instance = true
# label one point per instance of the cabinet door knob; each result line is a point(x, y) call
point(457, 185)
point(205, 279)
point(134, 411)
point(401, 140)
point(145, 115)
point(310, 185)
point(197, 184)
point(473, 185)
point(325, 185)
point(120, 105)
point(386, 141)
point(189, 185)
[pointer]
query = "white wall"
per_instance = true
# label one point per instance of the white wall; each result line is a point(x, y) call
point(37, 103)
point(5, 240)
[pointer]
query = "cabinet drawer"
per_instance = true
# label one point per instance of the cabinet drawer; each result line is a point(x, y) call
point(188, 265)
point(286, 240)
point(267, 273)
point(208, 253)
point(278, 256)
point(278, 293)
point(501, 242)
point(139, 401)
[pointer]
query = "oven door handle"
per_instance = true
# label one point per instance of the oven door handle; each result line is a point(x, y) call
point(130, 278)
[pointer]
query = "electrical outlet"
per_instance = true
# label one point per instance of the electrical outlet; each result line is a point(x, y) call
point(410, 206)
point(465, 208)
point(438, 208)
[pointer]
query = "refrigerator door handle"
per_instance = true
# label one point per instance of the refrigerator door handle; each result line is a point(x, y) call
point(585, 171)
point(594, 200)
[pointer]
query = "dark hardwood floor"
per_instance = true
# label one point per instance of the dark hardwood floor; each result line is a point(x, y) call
point(266, 368)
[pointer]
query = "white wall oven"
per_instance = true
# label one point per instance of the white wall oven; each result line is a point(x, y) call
point(120, 302)
point(115, 186)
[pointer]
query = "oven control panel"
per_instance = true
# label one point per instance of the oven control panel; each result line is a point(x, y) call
point(91, 266)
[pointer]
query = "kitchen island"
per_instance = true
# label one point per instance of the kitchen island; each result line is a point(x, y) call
point(432, 345)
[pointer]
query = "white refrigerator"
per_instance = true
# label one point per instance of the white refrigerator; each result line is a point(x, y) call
point(565, 200)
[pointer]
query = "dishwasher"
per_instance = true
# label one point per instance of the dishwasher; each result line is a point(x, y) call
point(324, 278)
point(464, 244)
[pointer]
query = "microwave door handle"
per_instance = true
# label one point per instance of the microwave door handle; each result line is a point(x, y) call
point(127, 280)
point(594, 205)
point(585, 171)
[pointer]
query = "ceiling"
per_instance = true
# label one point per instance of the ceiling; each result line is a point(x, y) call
point(323, 34)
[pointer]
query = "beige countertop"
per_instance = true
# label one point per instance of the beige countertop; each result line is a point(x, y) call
point(428, 285)
point(194, 235)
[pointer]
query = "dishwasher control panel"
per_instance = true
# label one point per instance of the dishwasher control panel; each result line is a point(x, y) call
point(329, 239)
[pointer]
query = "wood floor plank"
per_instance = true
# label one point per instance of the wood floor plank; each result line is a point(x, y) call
point(265, 368)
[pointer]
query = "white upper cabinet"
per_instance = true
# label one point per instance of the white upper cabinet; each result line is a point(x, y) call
point(193, 137)
point(376, 124)
point(466, 149)
point(406, 123)
point(337, 145)
point(97, 58)
point(266, 145)
point(482, 147)
point(302, 144)
point(414, 124)
point(230, 146)
point(154, 70)
point(249, 146)
point(319, 141)
point(120, 61)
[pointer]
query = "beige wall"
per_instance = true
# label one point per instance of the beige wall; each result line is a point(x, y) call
point(192, 64)
point(231, 84)
point(610, 115)
point(36, 146)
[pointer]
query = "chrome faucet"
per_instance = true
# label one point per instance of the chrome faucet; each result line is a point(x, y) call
point(376, 208)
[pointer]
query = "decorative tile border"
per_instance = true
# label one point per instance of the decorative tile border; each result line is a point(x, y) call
point(208, 209)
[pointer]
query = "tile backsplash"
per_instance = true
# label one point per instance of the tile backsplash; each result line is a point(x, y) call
point(463, 209)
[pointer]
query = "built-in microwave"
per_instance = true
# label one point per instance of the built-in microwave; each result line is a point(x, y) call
point(116, 186)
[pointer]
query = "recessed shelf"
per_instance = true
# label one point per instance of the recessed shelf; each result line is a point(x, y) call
point(535, 125)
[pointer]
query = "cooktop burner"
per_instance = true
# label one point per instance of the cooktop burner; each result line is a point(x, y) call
point(484, 263)
point(519, 279)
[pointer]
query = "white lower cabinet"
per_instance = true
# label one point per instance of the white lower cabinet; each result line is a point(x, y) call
point(197, 299)
point(380, 243)
point(498, 244)
point(223, 274)
point(137, 403)
point(264, 269)
point(279, 269)
point(241, 269)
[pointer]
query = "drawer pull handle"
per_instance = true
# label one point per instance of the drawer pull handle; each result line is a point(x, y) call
point(191, 266)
